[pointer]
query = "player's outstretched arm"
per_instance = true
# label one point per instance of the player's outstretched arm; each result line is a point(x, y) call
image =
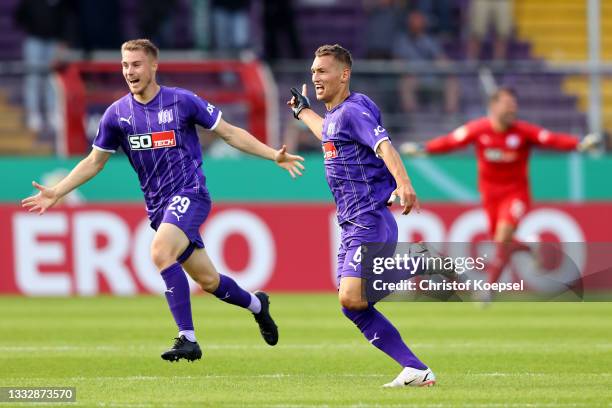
point(300, 105)
point(246, 142)
point(47, 197)
point(404, 190)
point(560, 141)
point(457, 139)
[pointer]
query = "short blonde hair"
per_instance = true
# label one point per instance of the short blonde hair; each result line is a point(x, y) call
point(340, 53)
point(141, 44)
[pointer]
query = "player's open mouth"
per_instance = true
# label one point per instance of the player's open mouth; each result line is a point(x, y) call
point(133, 81)
point(319, 88)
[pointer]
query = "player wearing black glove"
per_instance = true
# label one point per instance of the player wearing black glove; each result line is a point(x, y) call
point(301, 102)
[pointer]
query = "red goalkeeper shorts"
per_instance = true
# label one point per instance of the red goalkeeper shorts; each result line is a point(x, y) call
point(509, 207)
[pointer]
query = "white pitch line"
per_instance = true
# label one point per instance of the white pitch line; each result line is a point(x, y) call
point(358, 405)
point(413, 405)
point(281, 375)
point(437, 345)
point(198, 378)
point(122, 348)
point(498, 374)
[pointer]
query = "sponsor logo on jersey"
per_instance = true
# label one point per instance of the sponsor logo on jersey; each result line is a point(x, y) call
point(155, 140)
point(127, 120)
point(164, 116)
point(499, 155)
point(329, 151)
point(378, 130)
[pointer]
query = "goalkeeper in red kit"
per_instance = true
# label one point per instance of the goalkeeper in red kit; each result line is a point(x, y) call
point(502, 146)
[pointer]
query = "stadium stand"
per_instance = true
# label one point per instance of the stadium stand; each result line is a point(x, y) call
point(553, 100)
point(15, 138)
point(545, 97)
point(562, 37)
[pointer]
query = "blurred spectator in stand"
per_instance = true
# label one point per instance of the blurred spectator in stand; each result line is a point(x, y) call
point(98, 25)
point(47, 25)
point(279, 23)
point(156, 20)
point(414, 45)
point(481, 14)
point(297, 137)
point(231, 25)
point(201, 24)
point(439, 15)
point(323, 3)
point(381, 26)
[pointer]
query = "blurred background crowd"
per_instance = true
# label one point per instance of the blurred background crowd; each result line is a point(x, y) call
point(427, 64)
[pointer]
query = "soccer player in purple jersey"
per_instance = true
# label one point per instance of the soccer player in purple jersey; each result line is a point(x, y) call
point(363, 171)
point(155, 126)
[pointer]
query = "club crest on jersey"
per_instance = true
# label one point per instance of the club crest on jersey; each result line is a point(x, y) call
point(164, 116)
point(155, 140)
point(513, 141)
point(331, 129)
point(329, 151)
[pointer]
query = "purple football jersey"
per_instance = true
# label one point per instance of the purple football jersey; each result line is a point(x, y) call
point(357, 177)
point(160, 140)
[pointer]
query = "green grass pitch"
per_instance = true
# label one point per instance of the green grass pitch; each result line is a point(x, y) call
point(509, 355)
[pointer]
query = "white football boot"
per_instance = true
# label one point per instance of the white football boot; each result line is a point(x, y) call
point(411, 377)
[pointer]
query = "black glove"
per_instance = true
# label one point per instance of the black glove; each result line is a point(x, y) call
point(302, 102)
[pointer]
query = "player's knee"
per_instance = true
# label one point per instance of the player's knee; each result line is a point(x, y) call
point(162, 256)
point(353, 303)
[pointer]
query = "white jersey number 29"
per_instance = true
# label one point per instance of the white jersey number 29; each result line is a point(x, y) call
point(180, 204)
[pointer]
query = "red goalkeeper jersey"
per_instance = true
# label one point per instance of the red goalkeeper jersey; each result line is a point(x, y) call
point(502, 156)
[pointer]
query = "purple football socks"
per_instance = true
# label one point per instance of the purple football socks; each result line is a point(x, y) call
point(229, 291)
point(177, 295)
point(383, 335)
